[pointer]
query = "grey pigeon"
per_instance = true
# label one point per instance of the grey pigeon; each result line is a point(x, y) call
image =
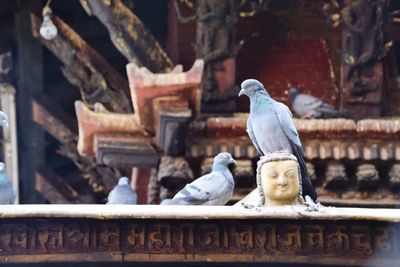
point(3, 119)
point(122, 193)
point(7, 192)
point(214, 188)
point(308, 106)
point(271, 128)
point(165, 201)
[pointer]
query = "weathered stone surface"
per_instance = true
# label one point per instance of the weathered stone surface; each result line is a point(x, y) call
point(198, 234)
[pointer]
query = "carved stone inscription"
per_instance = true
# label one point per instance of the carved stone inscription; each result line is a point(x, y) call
point(254, 237)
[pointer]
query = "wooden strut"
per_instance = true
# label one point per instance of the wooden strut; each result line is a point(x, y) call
point(85, 68)
point(101, 179)
point(129, 34)
point(56, 190)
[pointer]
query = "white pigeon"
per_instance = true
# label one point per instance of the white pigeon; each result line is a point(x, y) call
point(215, 188)
point(122, 193)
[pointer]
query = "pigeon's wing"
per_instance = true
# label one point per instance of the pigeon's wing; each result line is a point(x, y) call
point(309, 101)
point(200, 191)
point(307, 105)
point(253, 137)
point(286, 121)
point(329, 111)
point(287, 124)
point(315, 107)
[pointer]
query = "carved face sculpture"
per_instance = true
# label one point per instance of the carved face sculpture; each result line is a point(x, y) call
point(279, 180)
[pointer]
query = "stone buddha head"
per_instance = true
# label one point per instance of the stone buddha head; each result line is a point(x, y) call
point(279, 180)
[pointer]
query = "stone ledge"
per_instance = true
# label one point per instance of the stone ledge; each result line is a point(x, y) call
point(110, 212)
point(117, 233)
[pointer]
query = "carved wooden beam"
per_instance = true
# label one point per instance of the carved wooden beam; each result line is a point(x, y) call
point(367, 177)
point(363, 47)
point(63, 128)
point(45, 186)
point(394, 178)
point(85, 68)
point(171, 119)
point(91, 123)
point(129, 34)
point(173, 174)
point(147, 86)
point(380, 129)
point(54, 120)
point(139, 182)
point(173, 103)
point(124, 151)
point(55, 190)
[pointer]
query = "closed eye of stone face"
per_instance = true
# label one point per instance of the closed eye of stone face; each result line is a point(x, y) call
point(272, 174)
point(290, 174)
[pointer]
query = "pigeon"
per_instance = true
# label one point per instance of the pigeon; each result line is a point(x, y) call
point(122, 193)
point(214, 188)
point(165, 201)
point(3, 119)
point(308, 106)
point(7, 192)
point(271, 128)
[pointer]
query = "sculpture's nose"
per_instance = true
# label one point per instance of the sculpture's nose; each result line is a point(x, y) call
point(282, 180)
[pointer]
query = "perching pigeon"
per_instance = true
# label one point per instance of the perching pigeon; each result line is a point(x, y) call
point(215, 188)
point(122, 193)
point(271, 128)
point(165, 201)
point(308, 106)
point(3, 119)
point(7, 193)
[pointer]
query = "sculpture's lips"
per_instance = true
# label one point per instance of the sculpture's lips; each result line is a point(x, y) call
point(284, 188)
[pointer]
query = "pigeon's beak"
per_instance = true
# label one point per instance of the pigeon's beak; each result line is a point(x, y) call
point(242, 92)
point(232, 161)
point(5, 123)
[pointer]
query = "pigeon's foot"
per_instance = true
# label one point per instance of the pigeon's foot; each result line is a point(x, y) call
point(311, 205)
point(307, 116)
point(250, 207)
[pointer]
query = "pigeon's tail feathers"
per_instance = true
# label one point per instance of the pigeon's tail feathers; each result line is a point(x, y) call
point(306, 184)
point(330, 112)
